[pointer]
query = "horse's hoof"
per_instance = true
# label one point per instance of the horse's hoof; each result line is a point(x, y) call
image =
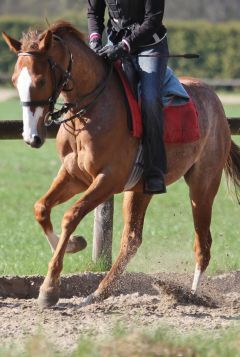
point(48, 298)
point(75, 244)
point(91, 299)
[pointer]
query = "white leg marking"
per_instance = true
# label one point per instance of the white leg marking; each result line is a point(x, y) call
point(30, 119)
point(52, 240)
point(197, 278)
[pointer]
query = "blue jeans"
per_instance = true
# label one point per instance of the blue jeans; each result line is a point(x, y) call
point(151, 72)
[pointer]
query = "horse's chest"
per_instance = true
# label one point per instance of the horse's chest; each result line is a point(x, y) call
point(74, 164)
point(70, 163)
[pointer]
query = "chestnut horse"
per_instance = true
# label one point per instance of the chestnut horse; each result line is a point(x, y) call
point(98, 152)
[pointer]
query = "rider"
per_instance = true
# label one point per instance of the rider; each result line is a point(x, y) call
point(135, 28)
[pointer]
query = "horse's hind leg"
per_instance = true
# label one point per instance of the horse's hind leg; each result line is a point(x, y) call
point(62, 189)
point(203, 189)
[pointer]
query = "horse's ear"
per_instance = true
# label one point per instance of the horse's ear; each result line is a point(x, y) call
point(14, 45)
point(45, 41)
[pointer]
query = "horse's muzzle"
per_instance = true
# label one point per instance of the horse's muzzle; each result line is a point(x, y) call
point(35, 142)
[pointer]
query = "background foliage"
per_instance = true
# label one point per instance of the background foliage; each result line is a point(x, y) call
point(217, 45)
point(214, 10)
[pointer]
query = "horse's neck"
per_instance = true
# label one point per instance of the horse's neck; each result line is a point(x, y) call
point(87, 71)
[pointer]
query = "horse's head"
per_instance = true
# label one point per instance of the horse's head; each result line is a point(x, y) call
point(39, 78)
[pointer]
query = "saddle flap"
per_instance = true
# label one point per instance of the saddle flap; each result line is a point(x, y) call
point(180, 121)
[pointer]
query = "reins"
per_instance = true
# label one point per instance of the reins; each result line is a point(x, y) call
point(80, 114)
point(54, 116)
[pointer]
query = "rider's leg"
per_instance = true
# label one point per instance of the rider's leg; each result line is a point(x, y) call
point(152, 73)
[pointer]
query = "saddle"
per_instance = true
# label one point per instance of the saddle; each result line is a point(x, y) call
point(179, 111)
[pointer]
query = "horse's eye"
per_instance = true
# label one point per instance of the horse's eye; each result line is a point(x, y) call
point(41, 83)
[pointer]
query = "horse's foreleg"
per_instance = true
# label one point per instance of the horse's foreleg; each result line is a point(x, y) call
point(202, 195)
point(134, 208)
point(62, 189)
point(99, 191)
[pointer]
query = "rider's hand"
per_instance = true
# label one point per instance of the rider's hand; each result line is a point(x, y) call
point(113, 53)
point(95, 44)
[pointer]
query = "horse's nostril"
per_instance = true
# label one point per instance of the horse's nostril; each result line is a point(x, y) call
point(36, 142)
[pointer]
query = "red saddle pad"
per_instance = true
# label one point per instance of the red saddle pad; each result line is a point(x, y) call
point(180, 122)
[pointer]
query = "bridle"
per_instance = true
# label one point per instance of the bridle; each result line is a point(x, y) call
point(61, 85)
point(58, 86)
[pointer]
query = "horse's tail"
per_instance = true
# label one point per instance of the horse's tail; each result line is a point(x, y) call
point(232, 169)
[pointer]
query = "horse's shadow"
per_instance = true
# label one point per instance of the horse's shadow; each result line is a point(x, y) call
point(9, 305)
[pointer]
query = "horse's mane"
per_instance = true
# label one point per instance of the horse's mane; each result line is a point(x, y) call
point(31, 39)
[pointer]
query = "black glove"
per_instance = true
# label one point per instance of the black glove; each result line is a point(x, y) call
point(113, 53)
point(96, 44)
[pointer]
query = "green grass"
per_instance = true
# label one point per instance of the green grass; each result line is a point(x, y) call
point(168, 231)
point(161, 342)
point(232, 110)
point(10, 109)
point(25, 174)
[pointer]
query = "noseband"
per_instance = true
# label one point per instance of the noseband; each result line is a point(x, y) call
point(53, 117)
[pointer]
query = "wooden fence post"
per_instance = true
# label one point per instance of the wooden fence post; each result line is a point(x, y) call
point(103, 232)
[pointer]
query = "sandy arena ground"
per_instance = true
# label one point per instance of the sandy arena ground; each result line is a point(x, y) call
point(139, 301)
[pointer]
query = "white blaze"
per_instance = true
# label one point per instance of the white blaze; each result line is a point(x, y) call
point(30, 119)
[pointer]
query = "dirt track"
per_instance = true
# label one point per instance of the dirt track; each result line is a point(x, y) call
point(139, 301)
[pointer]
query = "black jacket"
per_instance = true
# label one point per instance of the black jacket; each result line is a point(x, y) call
point(138, 21)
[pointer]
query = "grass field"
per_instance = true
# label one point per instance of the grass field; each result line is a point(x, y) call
point(11, 110)
point(163, 342)
point(168, 232)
